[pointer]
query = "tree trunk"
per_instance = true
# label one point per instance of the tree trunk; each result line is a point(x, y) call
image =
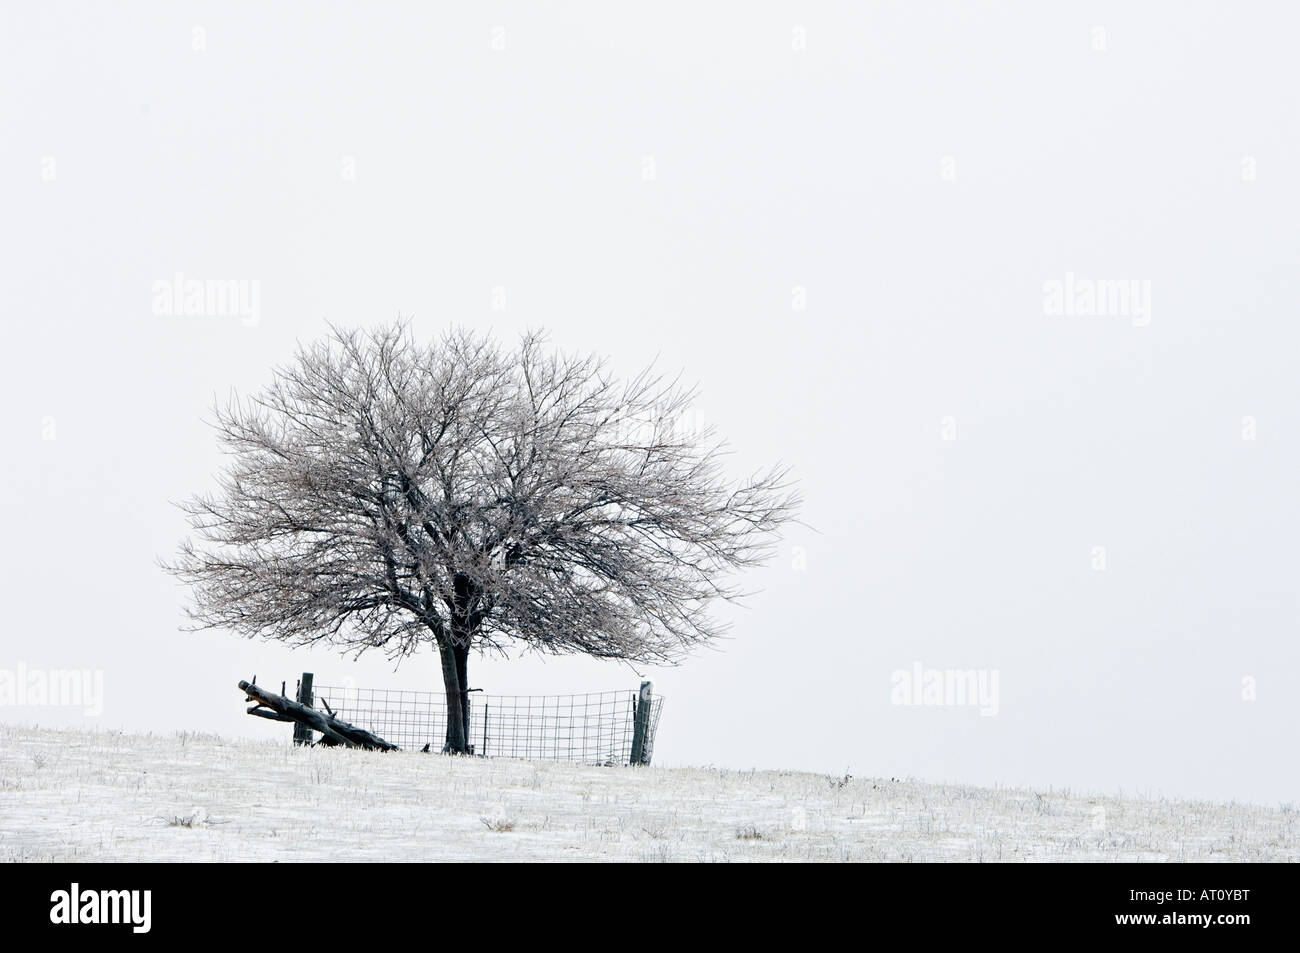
point(465, 597)
point(462, 673)
point(457, 741)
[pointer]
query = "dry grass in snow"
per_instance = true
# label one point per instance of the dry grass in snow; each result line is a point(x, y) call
point(79, 796)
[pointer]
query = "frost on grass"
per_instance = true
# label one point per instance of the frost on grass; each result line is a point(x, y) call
point(84, 796)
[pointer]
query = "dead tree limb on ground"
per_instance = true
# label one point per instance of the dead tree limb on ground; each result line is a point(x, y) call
point(335, 731)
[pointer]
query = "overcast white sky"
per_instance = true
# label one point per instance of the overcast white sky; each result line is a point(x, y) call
point(839, 219)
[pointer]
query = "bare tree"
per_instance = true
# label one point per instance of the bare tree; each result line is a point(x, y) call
point(385, 493)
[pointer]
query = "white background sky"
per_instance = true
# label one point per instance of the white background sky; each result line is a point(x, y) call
point(793, 145)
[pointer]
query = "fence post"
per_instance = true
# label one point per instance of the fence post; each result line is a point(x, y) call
point(641, 725)
point(301, 733)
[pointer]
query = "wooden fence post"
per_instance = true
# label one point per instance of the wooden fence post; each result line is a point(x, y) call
point(641, 725)
point(301, 733)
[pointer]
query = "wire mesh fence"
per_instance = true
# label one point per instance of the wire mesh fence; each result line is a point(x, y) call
point(592, 728)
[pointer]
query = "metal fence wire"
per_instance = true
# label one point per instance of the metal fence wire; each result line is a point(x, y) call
point(594, 728)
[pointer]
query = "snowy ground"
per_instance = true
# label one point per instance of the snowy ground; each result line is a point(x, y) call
point(77, 796)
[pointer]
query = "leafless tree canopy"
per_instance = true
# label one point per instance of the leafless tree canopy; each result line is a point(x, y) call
point(385, 493)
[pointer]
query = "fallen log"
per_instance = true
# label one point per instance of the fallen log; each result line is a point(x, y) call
point(335, 731)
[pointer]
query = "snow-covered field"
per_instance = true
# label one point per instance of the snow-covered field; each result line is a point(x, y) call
point(78, 796)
